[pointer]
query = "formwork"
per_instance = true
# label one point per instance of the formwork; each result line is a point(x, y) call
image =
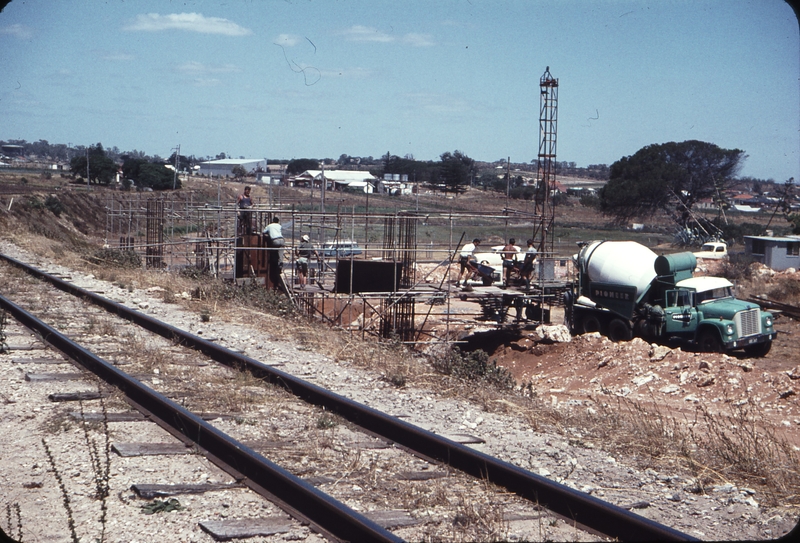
point(399, 285)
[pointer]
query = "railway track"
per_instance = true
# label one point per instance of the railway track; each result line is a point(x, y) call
point(293, 494)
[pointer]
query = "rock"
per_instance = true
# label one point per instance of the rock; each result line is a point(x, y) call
point(786, 394)
point(644, 379)
point(557, 333)
point(794, 374)
point(659, 352)
point(669, 389)
point(746, 366)
point(706, 381)
point(604, 362)
point(705, 365)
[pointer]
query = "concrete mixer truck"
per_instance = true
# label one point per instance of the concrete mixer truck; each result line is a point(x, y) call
point(624, 290)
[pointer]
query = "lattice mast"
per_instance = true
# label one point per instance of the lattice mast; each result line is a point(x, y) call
point(544, 202)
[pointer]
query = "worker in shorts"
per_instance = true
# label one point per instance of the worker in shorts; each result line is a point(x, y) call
point(305, 251)
point(527, 264)
point(466, 256)
point(509, 254)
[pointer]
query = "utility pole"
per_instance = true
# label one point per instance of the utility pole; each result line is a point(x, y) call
point(177, 162)
point(324, 189)
point(508, 179)
point(88, 179)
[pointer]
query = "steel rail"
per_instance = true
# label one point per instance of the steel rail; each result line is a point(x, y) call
point(303, 499)
point(577, 506)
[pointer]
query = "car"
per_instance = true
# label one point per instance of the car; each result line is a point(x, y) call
point(340, 249)
point(713, 250)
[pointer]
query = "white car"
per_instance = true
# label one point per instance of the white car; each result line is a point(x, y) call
point(713, 250)
point(494, 258)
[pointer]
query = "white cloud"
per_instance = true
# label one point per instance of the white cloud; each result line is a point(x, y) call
point(18, 31)
point(196, 68)
point(366, 33)
point(418, 40)
point(287, 40)
point(192, 22)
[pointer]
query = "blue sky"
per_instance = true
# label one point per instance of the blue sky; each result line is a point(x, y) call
point(309, 78)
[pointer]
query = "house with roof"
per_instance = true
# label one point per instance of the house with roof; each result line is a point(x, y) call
point(360, 181)
point(779, 253)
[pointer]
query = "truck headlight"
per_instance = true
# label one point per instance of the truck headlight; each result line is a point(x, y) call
point(768, 321)
point(729, 329)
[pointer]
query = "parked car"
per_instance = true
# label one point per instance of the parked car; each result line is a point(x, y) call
point(340, 249)
point(714, 250)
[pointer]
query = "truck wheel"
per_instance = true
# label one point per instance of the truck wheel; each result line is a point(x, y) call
point(759, 349)
point(589, 324)
point(709, 341)
point(618, 330)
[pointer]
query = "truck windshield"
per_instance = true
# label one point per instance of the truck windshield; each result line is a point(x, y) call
point(714, 294)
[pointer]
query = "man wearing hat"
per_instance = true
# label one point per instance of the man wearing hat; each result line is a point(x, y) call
point(304, 252)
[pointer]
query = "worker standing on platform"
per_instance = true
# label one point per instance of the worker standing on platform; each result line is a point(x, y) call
point(509, 254)
point(275, 242)
point(527, 264)
point(305, 251)
point(244, 202)
point(467, 254)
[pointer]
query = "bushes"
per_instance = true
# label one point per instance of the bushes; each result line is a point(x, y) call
point(472, 366)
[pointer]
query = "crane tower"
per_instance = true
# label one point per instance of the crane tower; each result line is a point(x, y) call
point(546, 172)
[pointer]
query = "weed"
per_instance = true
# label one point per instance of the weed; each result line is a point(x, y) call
point(326, 421)
point(64, 494)
point(473, 366)
point(158, 506)
point(117, 258)
point(15, 509)
point(3, 322)
point(169, 296)
point(54, 205)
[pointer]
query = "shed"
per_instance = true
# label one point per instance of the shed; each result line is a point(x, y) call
point(779, 253)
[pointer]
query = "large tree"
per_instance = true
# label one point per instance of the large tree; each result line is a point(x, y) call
point(669, 176)
point(149, 174)
point(101, 168)
point(455, 170)
point(299, 165)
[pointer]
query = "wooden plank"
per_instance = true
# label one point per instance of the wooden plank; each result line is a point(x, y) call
point(150, 492)
point(225, 530)
point(131, 416)
point(39, 361)
point(159, 449)
point(41, 377)
point(391, 519)
point(319, 480)
point(40, 347)
point(420, 475)
point(150, 449)
point(75, 396)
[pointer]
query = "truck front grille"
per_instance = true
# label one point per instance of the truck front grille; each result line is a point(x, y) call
point(748, 323)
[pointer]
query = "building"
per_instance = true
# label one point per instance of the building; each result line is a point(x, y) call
point(224, 167)
point(338, 180)
point(777, 253)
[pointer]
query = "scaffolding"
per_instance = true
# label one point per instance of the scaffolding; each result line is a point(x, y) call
point(398, 284)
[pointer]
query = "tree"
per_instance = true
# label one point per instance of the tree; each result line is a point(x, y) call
point(149, 174)
point(101, 168)
point(238, 171)
point(455, 170)
point(670, 176)
point(300, 165)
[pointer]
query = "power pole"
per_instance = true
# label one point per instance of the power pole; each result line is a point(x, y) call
point(88, 179)
point(175, 174)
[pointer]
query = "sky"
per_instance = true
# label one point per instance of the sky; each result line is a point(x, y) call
point(318, 79)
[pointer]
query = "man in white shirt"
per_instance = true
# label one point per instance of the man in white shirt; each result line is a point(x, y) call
point(467, 254)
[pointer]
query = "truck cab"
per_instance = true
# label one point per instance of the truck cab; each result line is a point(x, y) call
point(723, 321)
